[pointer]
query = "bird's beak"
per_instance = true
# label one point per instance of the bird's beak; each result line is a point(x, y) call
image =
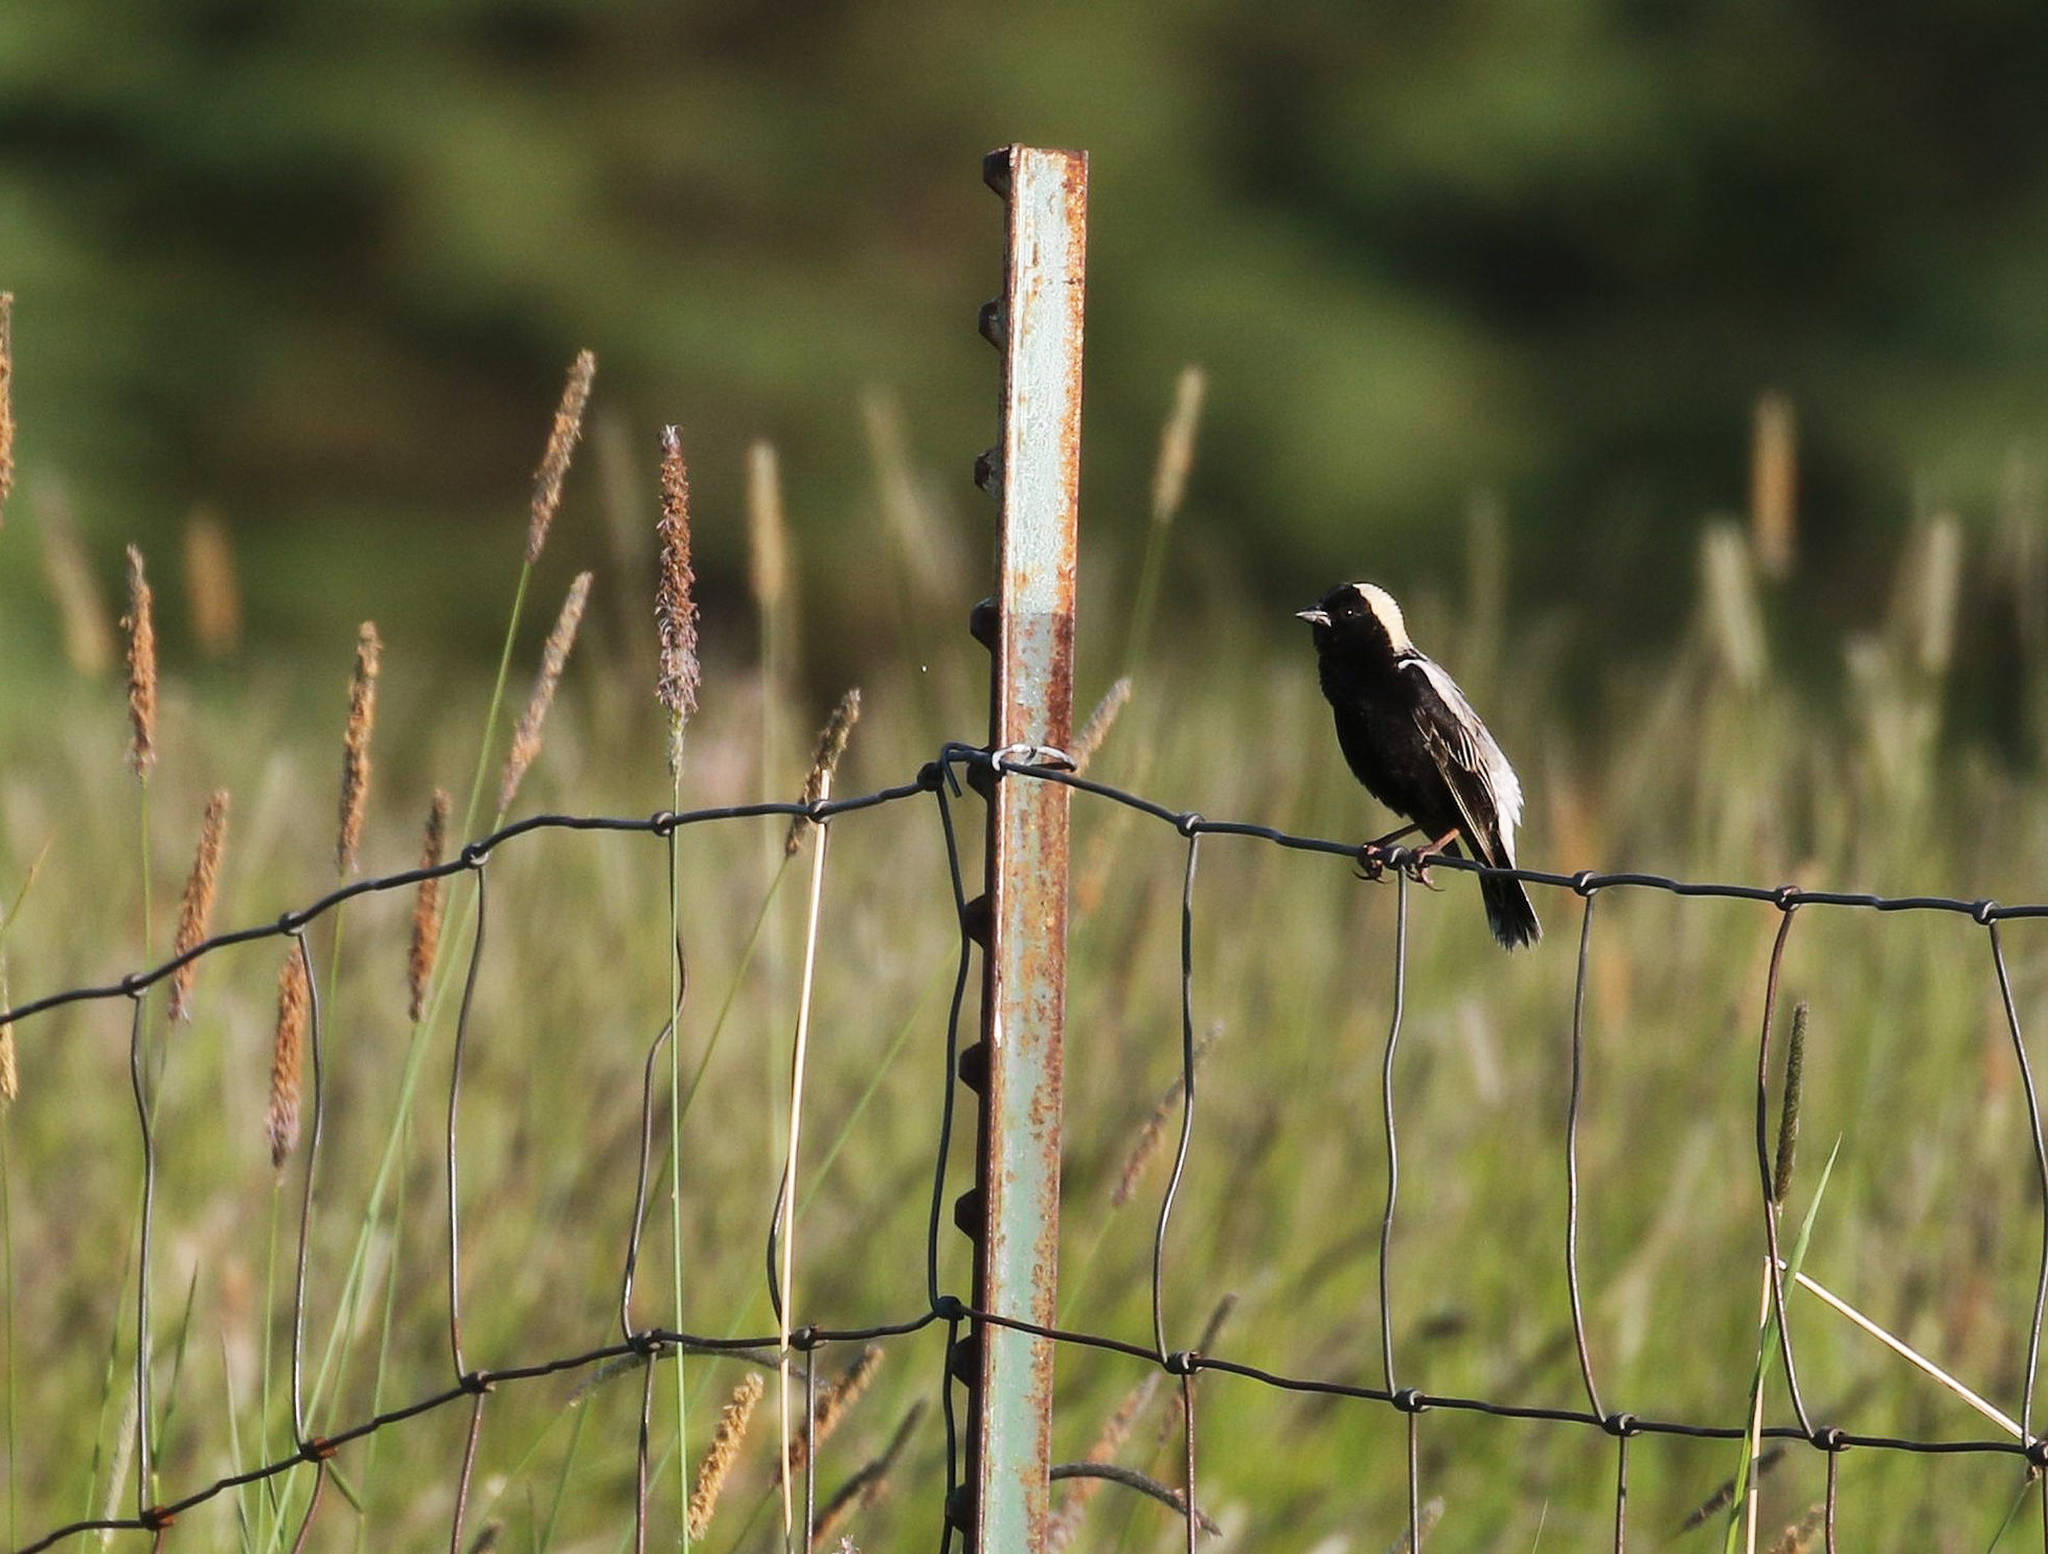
point(1313, 617)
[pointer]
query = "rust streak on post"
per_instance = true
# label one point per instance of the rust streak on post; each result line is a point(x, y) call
point(1038, 470)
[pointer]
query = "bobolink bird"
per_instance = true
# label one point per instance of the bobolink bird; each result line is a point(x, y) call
point(1415, 742)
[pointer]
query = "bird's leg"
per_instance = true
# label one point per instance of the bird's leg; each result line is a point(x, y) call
point(1423, 855)
point(1371, 866)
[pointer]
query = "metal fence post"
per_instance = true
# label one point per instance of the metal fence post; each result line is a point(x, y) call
point(1014, 1211)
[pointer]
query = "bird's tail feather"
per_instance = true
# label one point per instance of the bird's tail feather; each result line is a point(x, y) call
point(1508, 911)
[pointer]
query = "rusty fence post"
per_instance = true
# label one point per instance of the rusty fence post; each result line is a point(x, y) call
point(1014, 1211)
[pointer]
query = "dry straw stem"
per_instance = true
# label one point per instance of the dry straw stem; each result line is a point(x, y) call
point(6, 398)
point(554, 463)
point(140, 624)
point(866, 1486)
point(355, 746)
point(675, 605)
point(1116, 1431)
point(1177, 444)
point(832, 740)
point(211, 586)
point(1154, 1130)
point(526, 738)
point(767, 530)
point(195, 912)
point(1937, 587)
point(426, 907)
point(724, 1451)
point(281, 1121)
point(10, 1063)
point(832, 1405)
point(1774, 485)
point(1788, 1115)
point(88, 634)
point(1099, 723)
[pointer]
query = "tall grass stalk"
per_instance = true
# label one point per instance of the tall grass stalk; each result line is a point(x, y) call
point(787, 1208)
point(1169, 485)
point(1743, 1505)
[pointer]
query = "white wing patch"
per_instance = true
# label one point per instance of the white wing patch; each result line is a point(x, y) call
point(1476, 751)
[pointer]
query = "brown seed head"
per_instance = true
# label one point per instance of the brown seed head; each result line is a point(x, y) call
point(1798, 1537)
point(1788, 1112)
point(554, 463)
point(832, 1406)
point(675, 605)
point(725, 1447)
point(281, 1122)
point(210, 585)
point(1116, 1430)
point(426, 909)
point(767, 532)
point(195, 912)
point(865, 1487)
point(1153, 1133)
point(355, 746)
point(1774, 485)
point(140, 623)
point(1099, 723)
point(526, 739)
point(832, 740)
point(6, 398)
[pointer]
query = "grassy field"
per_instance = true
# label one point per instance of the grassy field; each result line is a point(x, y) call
point(1706, 762)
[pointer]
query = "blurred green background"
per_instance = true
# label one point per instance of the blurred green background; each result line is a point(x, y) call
point(321, 267)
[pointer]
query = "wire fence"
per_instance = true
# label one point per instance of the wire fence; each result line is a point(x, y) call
point(940, 782)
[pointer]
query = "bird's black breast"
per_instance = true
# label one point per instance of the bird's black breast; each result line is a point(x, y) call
point(1378, 730)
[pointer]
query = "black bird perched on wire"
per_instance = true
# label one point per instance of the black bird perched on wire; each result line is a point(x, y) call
point(1415, 742)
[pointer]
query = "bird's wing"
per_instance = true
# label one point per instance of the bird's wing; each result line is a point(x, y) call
point(1478, 775)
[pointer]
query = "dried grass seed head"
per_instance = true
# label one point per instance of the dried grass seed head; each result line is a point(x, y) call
point(426, 910)
point(731, 1434)
point(195, 911)
point(294, 996)
point(554, 657)
point(1100, 722)
point(1177, 444)
point(554, 463)
point(832, 740)
point(767, 528)
point(88, 625)
point(355, 746)
point(675, 605)
point(833, 1405)
point(211, 586)
point(140, 624)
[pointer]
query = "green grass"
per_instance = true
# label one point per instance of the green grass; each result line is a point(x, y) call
point(1931, 1224)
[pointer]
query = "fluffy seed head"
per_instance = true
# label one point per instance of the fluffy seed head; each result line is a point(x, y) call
point(426, 909)
point(526, 739)
point(140, 623)
point(832, 740)
point(211, 587)
point(1116, 1430)
point(1177, 445)
point(355, 746)
point(832, 1406)
point(554, 463)
point(195, 912)
point(1153, 1133)
point(675, 605)
point(281, 1122)
point(1099, 723)
point(725, 1447)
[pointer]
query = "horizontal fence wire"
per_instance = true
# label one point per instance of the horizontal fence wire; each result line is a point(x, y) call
point(643, 1345)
